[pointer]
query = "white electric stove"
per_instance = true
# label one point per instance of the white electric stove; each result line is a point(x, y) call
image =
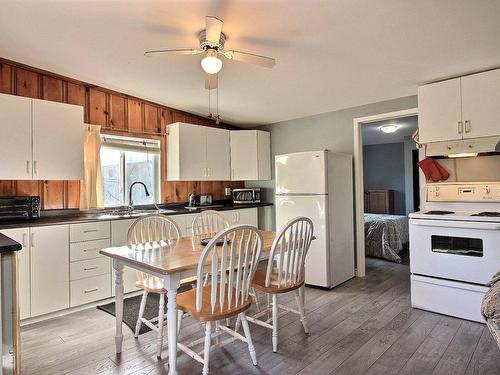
point(453, 254)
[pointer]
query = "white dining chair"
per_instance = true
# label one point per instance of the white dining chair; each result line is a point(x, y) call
point(212, 222)
point(231, 258)
point(147, 232)
point(209, 221)
point(285, 273)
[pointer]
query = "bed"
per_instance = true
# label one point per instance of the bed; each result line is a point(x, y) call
point(385, 235)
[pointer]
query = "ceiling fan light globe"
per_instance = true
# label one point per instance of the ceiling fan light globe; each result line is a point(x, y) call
point(211, 64)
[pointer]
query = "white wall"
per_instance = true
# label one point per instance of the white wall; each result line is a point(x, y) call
point(333, 131)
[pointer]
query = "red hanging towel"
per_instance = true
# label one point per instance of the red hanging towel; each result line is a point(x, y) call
point(430, 169)
point(444, 173)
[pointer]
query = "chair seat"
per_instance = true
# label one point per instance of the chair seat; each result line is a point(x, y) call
point(155, 285)
point(186, 301)
point(259, 282)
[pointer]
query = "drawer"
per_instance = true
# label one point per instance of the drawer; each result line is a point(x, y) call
point(87, 250)
point(88, 268)
point(90, 290)
point(89, 231)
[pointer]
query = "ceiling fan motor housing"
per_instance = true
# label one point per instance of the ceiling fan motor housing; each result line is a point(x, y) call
point(206, 44)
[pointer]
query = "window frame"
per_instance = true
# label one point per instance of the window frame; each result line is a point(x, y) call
point(134, 144)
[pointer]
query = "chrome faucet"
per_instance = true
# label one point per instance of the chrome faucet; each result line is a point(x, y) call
point(130, 201)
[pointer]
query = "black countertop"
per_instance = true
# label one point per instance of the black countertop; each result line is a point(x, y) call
point(8, 244)
point(77, 216)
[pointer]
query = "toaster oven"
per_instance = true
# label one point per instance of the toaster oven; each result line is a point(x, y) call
point(19, 207)
point(245, 196)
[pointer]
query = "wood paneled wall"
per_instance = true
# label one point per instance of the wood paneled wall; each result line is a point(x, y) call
point(116, 112)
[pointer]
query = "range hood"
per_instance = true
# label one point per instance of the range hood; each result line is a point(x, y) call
point(464, 147)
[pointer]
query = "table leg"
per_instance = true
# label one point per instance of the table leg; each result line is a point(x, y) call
point(172, 283)
point(118, 267)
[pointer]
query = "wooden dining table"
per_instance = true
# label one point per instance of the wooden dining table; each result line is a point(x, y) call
point(171, 262)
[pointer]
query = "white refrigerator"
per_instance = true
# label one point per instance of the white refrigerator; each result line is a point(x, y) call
point(319, 185)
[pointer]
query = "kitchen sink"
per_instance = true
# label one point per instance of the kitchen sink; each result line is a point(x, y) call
point(134, 213)
point(201, 208)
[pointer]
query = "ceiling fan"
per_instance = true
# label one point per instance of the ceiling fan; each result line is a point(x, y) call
point(212, 41)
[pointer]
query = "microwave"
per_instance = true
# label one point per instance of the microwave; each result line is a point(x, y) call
point(19, 207)
point(245, 196)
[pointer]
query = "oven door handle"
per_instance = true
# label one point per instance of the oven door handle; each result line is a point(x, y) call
point(456, 225)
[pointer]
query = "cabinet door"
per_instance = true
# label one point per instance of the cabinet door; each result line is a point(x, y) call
point(218, 154)
point(263, 155)
point(244, 155)
point(21, 235)
point(439, 111)
point(192, 152)
point(247, 216)
point(49, 269)
point(481, 104)
point(119, 231)
point(57, 141)
point(15, 138)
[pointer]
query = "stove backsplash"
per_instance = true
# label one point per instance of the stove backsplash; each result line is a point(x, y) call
point(464, 170)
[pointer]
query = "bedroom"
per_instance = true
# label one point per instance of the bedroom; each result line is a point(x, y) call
point(391, 186)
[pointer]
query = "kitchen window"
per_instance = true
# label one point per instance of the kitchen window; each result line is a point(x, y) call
point(125, 160)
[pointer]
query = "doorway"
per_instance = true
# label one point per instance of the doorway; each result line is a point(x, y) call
point(404, 201)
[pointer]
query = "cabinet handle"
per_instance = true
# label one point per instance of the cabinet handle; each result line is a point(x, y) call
point(87, 250)
point(32, 239)
point(90, 230)
point(91, 290)
point(24, 240)
point(208, 172)
point(34, 166)
point(467, 126)
point(27, 167)
point(90, 269)
point(460, 127)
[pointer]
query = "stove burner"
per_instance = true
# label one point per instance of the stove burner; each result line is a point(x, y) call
point(488, 214)
point(439, 212)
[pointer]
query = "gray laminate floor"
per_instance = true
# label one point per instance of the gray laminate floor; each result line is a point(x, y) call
point(365, 326)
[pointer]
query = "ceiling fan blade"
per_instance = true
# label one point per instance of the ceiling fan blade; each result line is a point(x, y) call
point(211, 81)
point(266, 62)
point(182, 51)
point(213, 29)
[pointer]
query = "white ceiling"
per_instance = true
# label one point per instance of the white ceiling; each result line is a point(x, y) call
point(372, 135)
point(330, 54)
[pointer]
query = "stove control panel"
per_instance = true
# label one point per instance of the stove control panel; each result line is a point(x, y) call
point(464, 192)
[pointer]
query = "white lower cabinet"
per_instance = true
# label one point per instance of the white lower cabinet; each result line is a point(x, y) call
point(49, 269)
point(21, 235)
point(242, 216)
point(90, 289)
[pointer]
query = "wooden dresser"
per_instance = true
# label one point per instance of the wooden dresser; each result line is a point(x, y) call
point(379, 201)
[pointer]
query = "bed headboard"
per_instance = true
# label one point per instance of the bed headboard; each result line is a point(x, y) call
point(379, 201)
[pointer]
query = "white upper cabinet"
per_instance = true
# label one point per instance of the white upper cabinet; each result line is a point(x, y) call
point(439, 111)
point(250, 155)
point(15, 138)
point(197, 152)
point(40, 140)
point(57, 141)
point(481, 104)
point(218, 155)
point(460, 108)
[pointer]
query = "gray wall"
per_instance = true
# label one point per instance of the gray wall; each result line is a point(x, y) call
point(333, 131)
point(410, 145)
point(384, 168)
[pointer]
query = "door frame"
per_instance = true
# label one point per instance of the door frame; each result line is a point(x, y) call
point(358, 179)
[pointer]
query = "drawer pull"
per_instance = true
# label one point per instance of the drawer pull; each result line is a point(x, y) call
point(91, 290)
point(90, 230)
point(90, 269)
point(87, 250)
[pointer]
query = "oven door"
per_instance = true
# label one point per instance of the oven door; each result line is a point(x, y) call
point(455, 250)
